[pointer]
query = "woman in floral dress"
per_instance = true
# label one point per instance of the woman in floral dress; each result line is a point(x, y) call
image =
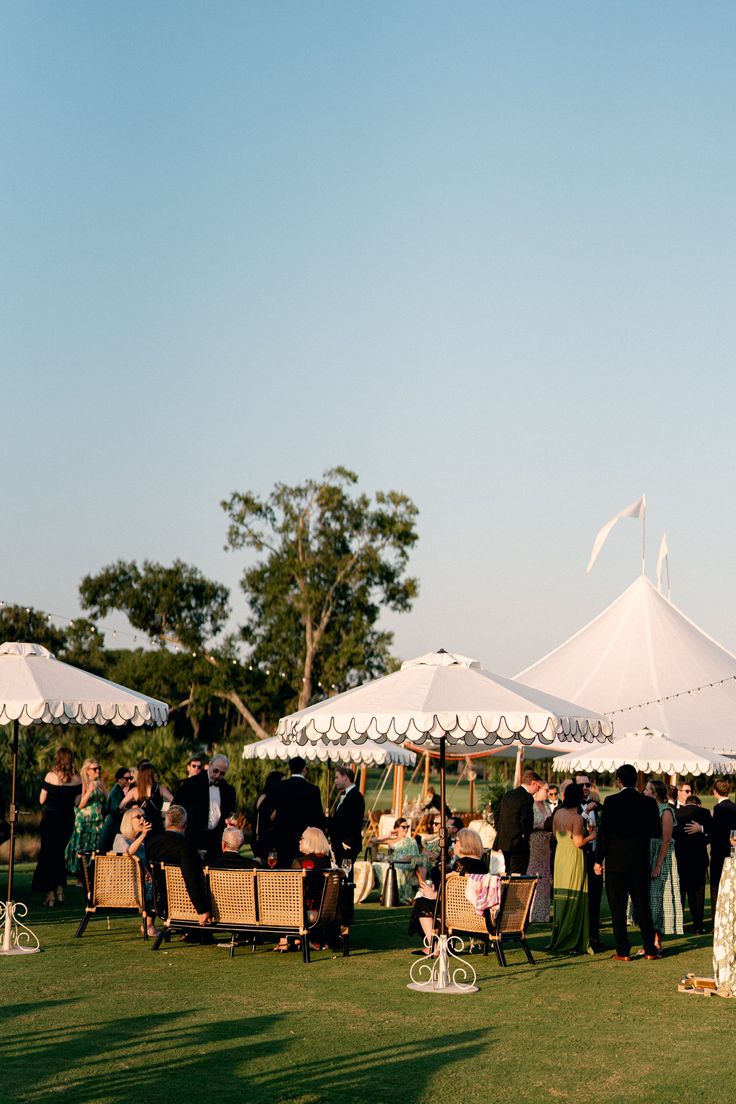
point(664, 886)
point(89, 815)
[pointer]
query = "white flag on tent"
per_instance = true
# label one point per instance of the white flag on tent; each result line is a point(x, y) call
point(664, 554)
point(635, 510)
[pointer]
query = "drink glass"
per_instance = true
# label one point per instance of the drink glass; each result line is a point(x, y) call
point(347, 866)
point(272, 859)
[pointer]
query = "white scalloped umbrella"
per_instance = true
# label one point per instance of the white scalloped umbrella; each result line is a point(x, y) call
point(368, 752)
point(649, 751)
point(442, 697)
point(37, 688)
point(439, 699)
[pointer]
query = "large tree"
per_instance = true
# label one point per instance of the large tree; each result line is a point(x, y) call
point(178, 606)
point(175, 605)
point(330, 560)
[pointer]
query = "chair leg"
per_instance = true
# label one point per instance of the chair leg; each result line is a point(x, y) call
point(232, 945)
point(501, 955)
point(527, 952)
point(83, 924)
point(346, 945)
point(485, 948)
point(165, 933)
point(305, 949)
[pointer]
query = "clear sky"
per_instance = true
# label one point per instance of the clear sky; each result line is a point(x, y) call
point(482, 253)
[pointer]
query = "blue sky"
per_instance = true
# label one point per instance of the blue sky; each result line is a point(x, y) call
point(480, 253)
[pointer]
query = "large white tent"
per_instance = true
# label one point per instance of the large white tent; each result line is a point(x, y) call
point(643, 652)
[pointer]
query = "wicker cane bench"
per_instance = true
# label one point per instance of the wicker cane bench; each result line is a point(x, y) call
point(248, 901)
point(113, 882)
point(509, 923)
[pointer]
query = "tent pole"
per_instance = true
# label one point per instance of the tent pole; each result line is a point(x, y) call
point(426, 777)
point(399, 789)
point(519, 765)
point(363, 777)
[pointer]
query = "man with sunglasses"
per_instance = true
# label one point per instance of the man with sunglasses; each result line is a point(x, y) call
point(194, 766)
point(210, 804)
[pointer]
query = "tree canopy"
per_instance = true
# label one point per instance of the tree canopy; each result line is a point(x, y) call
point(330, 560)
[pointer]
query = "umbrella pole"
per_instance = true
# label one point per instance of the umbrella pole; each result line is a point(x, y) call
point(17, 938)
point(441, 978)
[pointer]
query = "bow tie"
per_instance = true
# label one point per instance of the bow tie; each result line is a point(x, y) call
point(215, 784)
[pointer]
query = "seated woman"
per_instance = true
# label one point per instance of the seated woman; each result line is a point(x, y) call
point(404, 854)
point(130, 840)
point(314, 857)
point(468, 860)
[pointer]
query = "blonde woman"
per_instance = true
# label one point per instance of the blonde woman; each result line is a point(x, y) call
point(89, 815)
point(131, 840)
point(314, 857)
point(60, 790)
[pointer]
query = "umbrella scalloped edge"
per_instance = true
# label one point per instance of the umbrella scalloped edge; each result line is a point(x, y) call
point(469, 729)
point(80, 712)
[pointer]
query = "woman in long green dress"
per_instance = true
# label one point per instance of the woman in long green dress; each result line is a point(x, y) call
point(570, 927)
point(89, 815)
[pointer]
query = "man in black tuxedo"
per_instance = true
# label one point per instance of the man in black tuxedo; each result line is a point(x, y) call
point(724, 822)
point(172, 846)
point(297, 805)
point(346, 823)
point(692, 831)
point(628, 821)
point(515, 822)
point(230, 857)
point(210, 804)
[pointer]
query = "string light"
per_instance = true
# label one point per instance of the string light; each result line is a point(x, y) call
point(118, 633)
point(670, 697)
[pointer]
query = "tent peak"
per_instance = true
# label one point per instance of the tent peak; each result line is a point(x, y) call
point(441, 658)
point(19, 648)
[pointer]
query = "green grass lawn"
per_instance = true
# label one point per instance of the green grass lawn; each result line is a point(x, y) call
point(104, 1020)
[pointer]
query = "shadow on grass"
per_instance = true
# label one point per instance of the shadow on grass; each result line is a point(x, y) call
point(171, 1059)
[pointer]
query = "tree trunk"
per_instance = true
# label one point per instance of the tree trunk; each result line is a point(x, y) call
point(244, 712)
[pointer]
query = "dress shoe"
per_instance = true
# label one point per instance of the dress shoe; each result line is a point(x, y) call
point(654, 957)
point(621, 958)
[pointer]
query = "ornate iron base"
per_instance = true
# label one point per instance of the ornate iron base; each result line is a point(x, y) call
point(17, 939)
point(436, 974)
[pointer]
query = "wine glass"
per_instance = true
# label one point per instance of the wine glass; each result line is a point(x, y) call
point(347, 866)
point(271, 859)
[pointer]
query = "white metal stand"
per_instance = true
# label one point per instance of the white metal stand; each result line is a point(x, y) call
point(436, 974)
point(18, 939)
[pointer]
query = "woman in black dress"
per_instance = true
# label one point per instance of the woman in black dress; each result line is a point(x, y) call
point(264, 839)
point(149, 794)
point(60, 792)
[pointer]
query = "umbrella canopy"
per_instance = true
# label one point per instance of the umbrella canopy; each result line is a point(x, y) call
point(649, 751)
point(438, 696)
point(368, 752)
point(37, 688)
